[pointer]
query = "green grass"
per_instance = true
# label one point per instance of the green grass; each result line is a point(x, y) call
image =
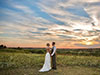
point(29, 64)
point(80, 52)
point(62, 70)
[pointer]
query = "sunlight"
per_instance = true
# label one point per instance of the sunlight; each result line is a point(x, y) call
point(88, 43)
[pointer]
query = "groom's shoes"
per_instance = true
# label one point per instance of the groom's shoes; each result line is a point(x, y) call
point(54, 68)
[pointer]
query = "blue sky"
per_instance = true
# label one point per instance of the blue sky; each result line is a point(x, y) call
point(33, 23)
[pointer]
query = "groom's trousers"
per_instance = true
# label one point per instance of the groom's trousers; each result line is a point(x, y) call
point(54, 61)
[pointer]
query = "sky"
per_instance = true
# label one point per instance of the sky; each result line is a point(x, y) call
point(33, 23)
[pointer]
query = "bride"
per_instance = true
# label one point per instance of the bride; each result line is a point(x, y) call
point(47, 62)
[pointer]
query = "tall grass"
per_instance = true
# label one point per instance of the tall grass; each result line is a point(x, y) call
point(80, 52)
point(16, 60)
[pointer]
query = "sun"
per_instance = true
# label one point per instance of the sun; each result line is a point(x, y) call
point(87, 43)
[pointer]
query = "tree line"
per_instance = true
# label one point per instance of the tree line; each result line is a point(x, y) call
point(3, 46)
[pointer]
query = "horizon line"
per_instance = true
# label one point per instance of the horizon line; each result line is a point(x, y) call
point(57, 47)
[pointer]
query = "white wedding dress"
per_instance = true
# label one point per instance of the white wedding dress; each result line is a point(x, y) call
point(47, 63)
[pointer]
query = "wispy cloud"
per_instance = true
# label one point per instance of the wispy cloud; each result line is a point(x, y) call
point(65, 22)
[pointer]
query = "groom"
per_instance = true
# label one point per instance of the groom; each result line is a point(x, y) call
point(53, 56)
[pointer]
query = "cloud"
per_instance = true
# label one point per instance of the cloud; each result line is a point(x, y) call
point(89, 46)
point(51, 20)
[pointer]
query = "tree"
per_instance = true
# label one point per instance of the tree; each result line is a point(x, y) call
point(3, 46)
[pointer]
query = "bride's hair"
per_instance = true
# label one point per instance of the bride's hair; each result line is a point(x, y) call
point(48, 44)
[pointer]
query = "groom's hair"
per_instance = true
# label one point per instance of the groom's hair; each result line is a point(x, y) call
point(53, 43)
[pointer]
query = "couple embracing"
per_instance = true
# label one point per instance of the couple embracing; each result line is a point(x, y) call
point(50, 58)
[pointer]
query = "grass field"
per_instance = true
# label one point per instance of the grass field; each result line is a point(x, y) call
point(29, 64)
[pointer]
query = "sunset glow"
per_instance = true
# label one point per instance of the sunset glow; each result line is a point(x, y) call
point(33, 23)
point(87, 43)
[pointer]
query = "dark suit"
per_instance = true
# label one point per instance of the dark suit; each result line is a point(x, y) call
point(53, 59)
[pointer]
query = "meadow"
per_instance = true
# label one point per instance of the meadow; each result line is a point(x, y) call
point(69, 62)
